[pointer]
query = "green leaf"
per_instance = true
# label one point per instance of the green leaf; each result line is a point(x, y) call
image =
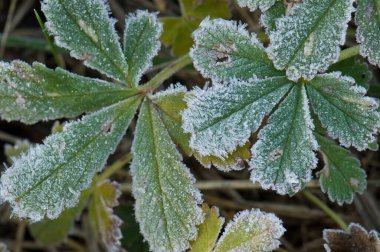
point(177, 30)
point(354, 68)
point(307, 41)
point(341, 176)
point(368, 32)
point(35, 93)
point(343, 109)
point(264, 5)
point(170, 104)
point(51, 176)
point(85, 28)
point(225, 50)
point(16, 150)
point(141, 43)
point(253, 231)
point(208, 231)
point(283, 156)
point(223, 117)
point(269, 17)
point(104, 222)
point(53, 232)
point(166, 198)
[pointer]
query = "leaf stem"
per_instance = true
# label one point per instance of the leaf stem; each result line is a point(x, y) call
point(341, 223)
point(117, 165)
point(166, 73)
point(349, 52)
point(57, 57)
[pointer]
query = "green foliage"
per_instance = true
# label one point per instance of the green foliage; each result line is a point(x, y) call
point(254, 4)
point(341, 176)
point(177, 30)
point(162, 182)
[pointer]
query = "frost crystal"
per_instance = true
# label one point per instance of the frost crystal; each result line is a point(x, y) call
point(223, 117)
point(35, 93)
point(141, 43)
point(84, 28)
point(253, 231)
point(269, 18)
point(225, 50)
point(50, 177)
point(344, 110)
point(166, 199)
point(307, 41)
point(283, 156)
point(254, 4)
point(368, 32)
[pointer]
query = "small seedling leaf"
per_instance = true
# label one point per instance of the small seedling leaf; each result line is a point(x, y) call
point(166, 198)
point(253, 231)
point(141, 43)
point(307, 41)
point(86, 30)
point(50, 176)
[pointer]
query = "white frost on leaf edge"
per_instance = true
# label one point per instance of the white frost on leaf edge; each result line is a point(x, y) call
point(264, 5)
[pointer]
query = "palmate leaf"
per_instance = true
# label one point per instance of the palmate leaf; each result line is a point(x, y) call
point(225, 50)
point(177, 30)
point(85, 28)
point(307, 41)
point(141, 43)
point(344, 110)
point(33, 93)
point(368, 32)
point(208, 231)
point(341, 176)
point(283, 156)
point(104, 222)
point(166, 199)
point(264, 5)
point(223, 117)
point(253, 231)
point(51, 176)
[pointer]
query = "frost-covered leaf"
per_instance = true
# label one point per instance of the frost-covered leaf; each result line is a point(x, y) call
point(233, 162)
point(141, 43)
point(104, 222)
point(225, 50)
point(166, 199)
point(368, 32)
point(223, 117)
point(170, 104)
point(208, 231)
point(177, 30)
point(53, 232)
point(85, 28)
point(344, 110)
point(16, 150)
point(342, 176)
point(252, 231)
point(283, 156)
point(307, 41)
point(268, 18)
point(254, 4)
point(34, 93)
point(354, 68)
point(358, 239)
point(51, 176)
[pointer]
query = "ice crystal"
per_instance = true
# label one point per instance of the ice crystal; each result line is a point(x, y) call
point(307, 41)
point(254, 4)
